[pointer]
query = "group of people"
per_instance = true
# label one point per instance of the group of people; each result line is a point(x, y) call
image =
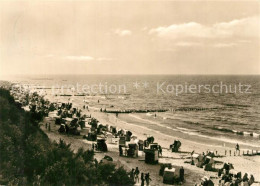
point(145, 177)
point(85, 107)
point(94, 146)
point(205, 182)
point(233, 179)
point(236, 152)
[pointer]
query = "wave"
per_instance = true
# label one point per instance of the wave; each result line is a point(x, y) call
point(94, 108)
point(186, 129)
point(192, 133)
point(237, 123)
point(149, 121)
point(223, 129)
point(255, 135)
point(195, 109)
point(192, 123)
point(235, 105)
point(243, 133)
point(149, 114)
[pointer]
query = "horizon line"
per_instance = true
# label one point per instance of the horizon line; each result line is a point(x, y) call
point(5, 75)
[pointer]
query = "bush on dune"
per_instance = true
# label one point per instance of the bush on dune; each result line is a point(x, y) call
point(28, 157)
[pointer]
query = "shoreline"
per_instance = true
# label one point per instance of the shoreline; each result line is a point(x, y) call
point(191, 133)
point(177, 159)
point(245, 164)
point(193, 174)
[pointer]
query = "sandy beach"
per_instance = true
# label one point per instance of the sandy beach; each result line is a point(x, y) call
point(249, 164)
point(193, 174)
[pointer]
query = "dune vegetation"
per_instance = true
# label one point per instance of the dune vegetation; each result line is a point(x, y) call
point(28, 157)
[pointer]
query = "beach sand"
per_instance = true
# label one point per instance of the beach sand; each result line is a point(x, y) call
point(193, 174)
point(245, 164)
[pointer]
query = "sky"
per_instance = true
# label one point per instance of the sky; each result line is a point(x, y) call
point(129, 37)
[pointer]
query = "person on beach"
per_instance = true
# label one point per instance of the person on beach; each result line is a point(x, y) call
point(160, 150)
point(67, 129)
point(245, 178)
point(120, 150)
point(237, 147)
point(181, 174)
point(125, 151)
point(251, 180)
point(142, 179)
point(220, 172)
point(137, 174)
point(220, 183)
point(46, 125)
point(206, 182)
point(147, 179)
point(132, 174)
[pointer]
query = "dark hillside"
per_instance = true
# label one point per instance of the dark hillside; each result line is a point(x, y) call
point(27, 156)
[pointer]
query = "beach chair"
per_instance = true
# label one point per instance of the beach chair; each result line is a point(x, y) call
point(101, 145)
point(122, 141)
point(109, 138)
point(151, 156)
point(169, 176)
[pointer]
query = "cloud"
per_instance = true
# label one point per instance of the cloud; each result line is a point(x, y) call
point(246, 27)
point(176, 31)
point(188, 44)
point(224, 45)
point(121, 32)
point(79, 58)
point(104, 59)
point(244, 41)
point(87, 58)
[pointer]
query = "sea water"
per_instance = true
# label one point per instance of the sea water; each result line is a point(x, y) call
point(230, 114)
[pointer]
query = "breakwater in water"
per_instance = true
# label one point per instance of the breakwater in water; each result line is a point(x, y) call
point(135, 111)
